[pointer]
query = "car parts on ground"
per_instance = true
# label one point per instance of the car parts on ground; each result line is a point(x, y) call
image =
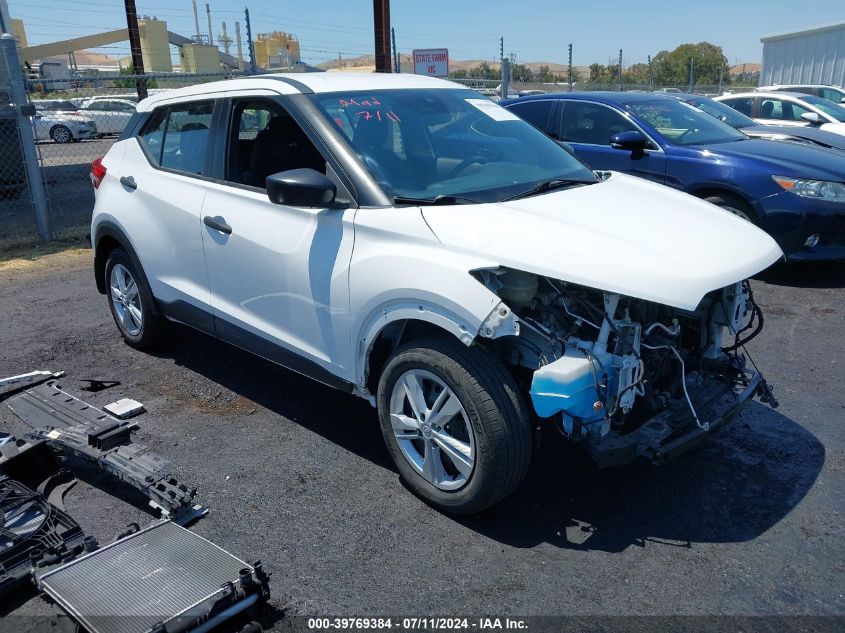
point(162, 578)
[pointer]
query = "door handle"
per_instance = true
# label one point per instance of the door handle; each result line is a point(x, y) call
point(217, 225)
point(128, 182)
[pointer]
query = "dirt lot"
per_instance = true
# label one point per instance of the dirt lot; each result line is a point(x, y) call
point(296, 474)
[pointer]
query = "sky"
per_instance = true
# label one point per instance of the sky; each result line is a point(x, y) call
point(534, 30)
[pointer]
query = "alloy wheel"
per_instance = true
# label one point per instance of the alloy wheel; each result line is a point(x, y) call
point(432, 429)
point(126, 299)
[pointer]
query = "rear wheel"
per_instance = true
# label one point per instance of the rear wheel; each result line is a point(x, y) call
point(454, 424)
point(734, 204)
point(130, 302)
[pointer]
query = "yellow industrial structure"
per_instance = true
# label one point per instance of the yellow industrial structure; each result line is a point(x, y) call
point(276, 49)
point(155, 46)
point(19, 32)
point(199, 58)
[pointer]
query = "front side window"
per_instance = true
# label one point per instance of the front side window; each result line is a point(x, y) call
point(683, 124)
point(424, 143)
point(836, 96)
point(592, 123)
point(176, 137)
point(264, 140)
point(780, 110)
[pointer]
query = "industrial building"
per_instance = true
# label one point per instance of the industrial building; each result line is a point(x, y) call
point(276, 50)
point(814, 56)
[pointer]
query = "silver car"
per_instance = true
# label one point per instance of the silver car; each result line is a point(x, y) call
point(58, 120)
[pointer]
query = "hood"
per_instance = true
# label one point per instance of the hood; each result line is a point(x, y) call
point(623, 235)
point(828, 139)
point(784, 159)
point(836, 128)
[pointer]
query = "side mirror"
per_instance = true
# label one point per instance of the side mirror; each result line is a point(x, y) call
point(300, 188)
point(812, 117)
point(842, 100)
point(632, 141)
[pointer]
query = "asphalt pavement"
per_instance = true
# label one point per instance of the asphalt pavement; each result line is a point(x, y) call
point(296, 474)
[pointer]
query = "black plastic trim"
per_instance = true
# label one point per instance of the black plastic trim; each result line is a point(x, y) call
point(228, 332)
point(292, 82)
point(109, 229)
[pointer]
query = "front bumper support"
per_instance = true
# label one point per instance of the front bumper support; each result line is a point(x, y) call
point(674, 432)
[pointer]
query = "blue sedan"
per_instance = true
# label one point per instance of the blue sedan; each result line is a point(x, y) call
point(794, 192)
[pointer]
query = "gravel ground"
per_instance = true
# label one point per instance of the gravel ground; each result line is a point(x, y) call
point(296, 474)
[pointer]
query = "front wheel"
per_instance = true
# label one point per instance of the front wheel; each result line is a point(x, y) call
point(61, 134)
point(454, 424)
point(733, 204)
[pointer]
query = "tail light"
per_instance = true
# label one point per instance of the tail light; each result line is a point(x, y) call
point(98, 172)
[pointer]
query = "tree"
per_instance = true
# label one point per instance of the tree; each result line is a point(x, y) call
point(673, 67)
point(129, 71)
point(520, 72)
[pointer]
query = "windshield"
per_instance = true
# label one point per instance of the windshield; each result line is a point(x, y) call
point(423, 143)
point(682, 124)
point(724, 113)
point(828, 107)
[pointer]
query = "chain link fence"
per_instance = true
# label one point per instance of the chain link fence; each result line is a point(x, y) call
point(76, 121)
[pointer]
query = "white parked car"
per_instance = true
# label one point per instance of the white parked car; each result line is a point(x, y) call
point(110, 115)
point(407, 240)
point(831, 93)
point(57, 120)
point(788, 109)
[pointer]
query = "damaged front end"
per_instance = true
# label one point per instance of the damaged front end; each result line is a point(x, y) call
point(628, 377)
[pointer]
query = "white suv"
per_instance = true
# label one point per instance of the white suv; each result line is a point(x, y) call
point(411, 242)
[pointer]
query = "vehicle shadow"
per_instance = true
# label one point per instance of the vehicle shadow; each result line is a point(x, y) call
point(284, 392)
point(732, 489)
point(805, 275)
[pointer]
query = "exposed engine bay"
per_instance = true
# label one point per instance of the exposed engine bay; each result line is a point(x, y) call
point(605, 365)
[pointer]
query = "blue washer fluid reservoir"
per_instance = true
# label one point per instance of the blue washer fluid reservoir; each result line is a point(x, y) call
point(569, 385)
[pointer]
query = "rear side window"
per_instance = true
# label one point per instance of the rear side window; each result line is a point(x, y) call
point(537, 113)
point(176, 137)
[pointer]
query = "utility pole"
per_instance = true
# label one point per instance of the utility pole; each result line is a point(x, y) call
point(650, 76)
point(621, 82)
point(721, 76)
point(250, 47)
point(501, 48)
point(396, 64)
point(570, 67)
point(5, 20)
point(208, 14)
point(135, 48)
point(691, 74)
point(381, 31)
point(238, 44)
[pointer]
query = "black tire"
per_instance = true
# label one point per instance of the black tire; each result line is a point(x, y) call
point(495, 411)
point(152, 326)
point(61, 134)
point(734, 204)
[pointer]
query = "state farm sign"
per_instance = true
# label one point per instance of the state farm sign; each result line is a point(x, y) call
point(433, 62)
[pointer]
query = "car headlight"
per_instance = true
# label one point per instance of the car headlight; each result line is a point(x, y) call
point(818, 189)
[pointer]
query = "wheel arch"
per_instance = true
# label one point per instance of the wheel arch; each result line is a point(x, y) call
point(107, 237)
point(707, 190)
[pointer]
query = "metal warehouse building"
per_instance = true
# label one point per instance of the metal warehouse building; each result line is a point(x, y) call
point(815, 55)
